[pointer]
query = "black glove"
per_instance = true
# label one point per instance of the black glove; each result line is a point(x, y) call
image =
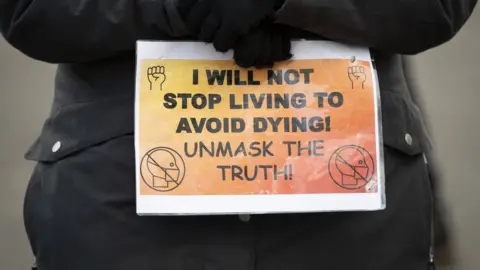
point(265, 45)
point(223, 21)
point(184, 6)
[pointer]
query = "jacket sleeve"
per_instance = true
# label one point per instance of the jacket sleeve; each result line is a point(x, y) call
point(393, 26)
point(85, 30)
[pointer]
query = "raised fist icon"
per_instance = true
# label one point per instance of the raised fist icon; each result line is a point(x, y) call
point(357, 76)
point(156, 77)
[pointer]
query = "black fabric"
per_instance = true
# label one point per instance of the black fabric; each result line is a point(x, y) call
point(394, 27)
point(80, 214)
point(80, 203)
point(223, 22)
point(81, 31)
point(441, 227)
point(265, 45)
point(184, 7)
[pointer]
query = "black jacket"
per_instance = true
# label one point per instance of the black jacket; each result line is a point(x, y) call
point(71, 203)
point(93, 42)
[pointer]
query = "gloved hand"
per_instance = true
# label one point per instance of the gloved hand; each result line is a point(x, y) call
point(265, 45)
point(184, 6)
point(224, 21)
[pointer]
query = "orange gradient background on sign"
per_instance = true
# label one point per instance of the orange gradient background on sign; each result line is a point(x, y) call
point(351, 124)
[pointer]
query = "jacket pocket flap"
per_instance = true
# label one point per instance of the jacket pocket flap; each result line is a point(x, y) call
point(403, 128)
point(75, 127)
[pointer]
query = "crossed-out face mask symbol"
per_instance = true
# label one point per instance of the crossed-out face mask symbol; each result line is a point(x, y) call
point(163, 168)
point(352, 165)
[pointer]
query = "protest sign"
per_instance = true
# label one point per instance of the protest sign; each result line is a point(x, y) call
point(212, 138)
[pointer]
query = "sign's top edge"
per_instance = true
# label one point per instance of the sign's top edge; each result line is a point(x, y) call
point(192, 50)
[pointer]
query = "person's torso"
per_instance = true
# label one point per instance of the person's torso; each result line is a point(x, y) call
point(94, 102)
point(93, 109)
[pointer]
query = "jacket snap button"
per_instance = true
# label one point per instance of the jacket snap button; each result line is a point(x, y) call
point(408, 139)
point(244, 218)
point(56, 146)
